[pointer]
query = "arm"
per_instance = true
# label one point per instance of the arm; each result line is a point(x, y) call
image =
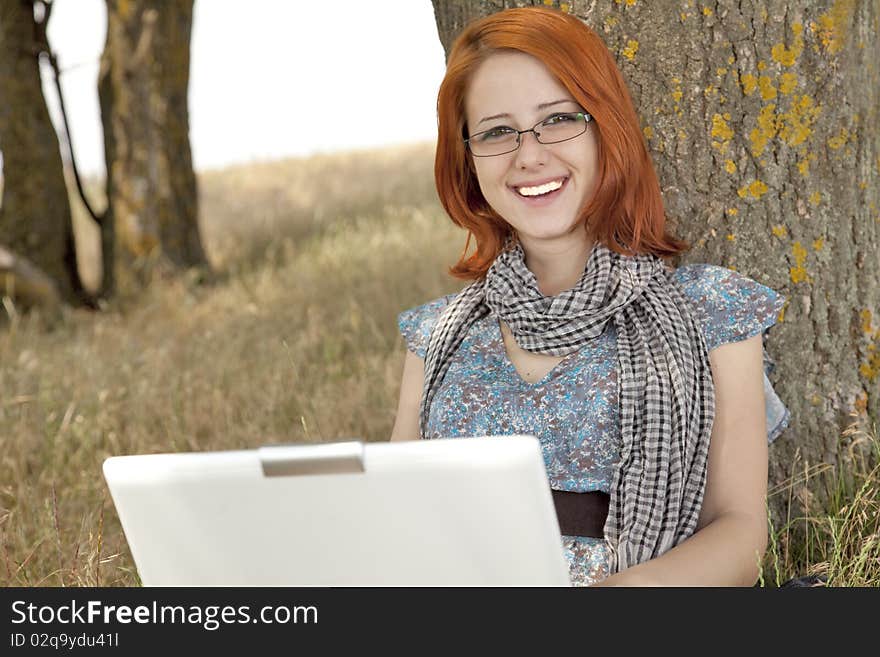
point(406, 424)
point(731, 534)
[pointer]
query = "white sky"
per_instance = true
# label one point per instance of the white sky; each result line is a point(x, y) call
point(274, 78)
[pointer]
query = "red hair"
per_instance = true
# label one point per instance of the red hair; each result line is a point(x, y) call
point(626, 211)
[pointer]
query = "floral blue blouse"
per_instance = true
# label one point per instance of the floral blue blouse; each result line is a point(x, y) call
point(573, 411)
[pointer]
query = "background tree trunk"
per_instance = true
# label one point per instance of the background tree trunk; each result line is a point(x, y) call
point(762, 121)
point(22, 281)
point(35, 219)
point(151, 186)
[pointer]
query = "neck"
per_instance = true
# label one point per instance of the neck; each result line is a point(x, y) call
point(557, 266)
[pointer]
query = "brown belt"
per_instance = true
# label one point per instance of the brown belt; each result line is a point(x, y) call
point(581, 514)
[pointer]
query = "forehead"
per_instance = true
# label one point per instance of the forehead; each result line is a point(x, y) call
point(511, 83)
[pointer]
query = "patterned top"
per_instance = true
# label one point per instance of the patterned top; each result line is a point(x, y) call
point(573, 410)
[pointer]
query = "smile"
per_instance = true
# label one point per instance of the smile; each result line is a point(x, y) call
point(542, 189)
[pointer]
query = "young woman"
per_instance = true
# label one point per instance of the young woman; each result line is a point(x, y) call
point(645, 385)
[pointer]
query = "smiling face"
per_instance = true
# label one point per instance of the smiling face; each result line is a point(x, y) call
point(538, 189)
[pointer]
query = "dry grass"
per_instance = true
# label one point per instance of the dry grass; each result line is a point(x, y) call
point(840, 543)
point(298, 342)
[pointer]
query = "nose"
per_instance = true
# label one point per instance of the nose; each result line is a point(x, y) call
point(531, 153)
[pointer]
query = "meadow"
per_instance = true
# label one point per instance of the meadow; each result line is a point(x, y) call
point(295, 339)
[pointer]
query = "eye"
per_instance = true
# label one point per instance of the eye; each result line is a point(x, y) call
point(556, 119)
point(495, 133)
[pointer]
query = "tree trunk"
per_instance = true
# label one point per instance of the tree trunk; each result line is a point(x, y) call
point(22, 281)
point(762, 121)
point(35, 218)
point(151, 186)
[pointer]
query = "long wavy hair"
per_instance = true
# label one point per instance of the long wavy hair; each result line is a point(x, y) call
point(626, 211)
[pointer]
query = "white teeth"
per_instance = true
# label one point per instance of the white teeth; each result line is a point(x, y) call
point(551, 186)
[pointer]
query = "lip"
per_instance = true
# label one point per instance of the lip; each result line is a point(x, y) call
point(546, 199)
point(537, 183)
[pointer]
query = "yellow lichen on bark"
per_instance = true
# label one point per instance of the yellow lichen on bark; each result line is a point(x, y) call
point(722, 133)
point(779, 230)
point(868, 324)
point(676, 95)
point(755, 189)
point(768, 91)
point(788, 56)
point(871, 369)
point(803, 164)
point(632, 47)
point(765, 130)
point(838, 140)
point(781, 317)
point(834, 24)
point(799, 272)
point(787, 83)
point(818, 244)
point(860, 404)
point(749, 83)
point(796, 125)
point(730, 166)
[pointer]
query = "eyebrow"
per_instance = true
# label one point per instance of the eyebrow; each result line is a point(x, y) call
point(540, 107)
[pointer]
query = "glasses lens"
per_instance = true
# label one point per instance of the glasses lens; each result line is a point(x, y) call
point(493, 142)
point(560, 127)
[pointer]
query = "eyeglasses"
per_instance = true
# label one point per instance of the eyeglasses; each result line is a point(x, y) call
point(552, 130)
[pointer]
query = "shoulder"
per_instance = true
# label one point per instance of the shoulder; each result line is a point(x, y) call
point(733, 308)
point(416, 323)
point(730, 306)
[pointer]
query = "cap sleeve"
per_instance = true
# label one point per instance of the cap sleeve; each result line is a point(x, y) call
point(731, 308)
point(417, 323)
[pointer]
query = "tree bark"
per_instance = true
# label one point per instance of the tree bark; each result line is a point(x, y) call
point(762, 121)
point(23, 281)
point(35, 218)
point(151, 186)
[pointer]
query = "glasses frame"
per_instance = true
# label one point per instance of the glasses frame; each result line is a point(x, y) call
point(588, 118)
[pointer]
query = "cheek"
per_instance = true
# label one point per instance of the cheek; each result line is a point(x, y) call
point(582, 157)
point(591, 156)
point(490, 177)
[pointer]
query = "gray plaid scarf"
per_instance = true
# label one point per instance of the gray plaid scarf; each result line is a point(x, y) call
point(666, 396)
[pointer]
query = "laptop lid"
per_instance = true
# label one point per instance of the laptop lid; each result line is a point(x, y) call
point(455, 512)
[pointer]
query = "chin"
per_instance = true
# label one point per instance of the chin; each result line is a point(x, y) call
point(550, 232)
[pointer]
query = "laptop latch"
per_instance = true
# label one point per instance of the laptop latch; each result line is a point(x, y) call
point(327, 458)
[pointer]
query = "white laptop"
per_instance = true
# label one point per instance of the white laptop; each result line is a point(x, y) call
point(455, 512)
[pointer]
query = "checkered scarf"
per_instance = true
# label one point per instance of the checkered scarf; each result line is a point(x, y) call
point(666, 396)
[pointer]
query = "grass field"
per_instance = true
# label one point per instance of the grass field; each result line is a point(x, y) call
point(295, 341)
